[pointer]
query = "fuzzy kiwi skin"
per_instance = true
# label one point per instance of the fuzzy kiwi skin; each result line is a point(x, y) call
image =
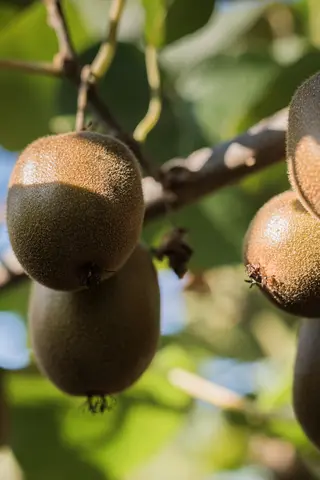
point(281, 255)
point(306, 382)
point(74, 208)
point(303, 144)
point(98, 341)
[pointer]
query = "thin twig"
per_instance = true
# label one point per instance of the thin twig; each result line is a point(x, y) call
point(154, 110)
point(210, 392)
point(57, 21)
point(31, 67)
point(218, 396)
point(104, 57)
point(100, 64)
point(82, 98)
point(108, 119)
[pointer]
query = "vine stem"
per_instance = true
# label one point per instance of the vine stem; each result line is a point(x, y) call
point(154, 110)
point(106, 52)
point(82, 98)
point(57, 22)
point(91, 73)
point(31, 67)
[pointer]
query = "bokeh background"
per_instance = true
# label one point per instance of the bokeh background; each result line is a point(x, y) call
point(224, 65)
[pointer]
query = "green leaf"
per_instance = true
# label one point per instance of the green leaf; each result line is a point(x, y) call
point(224, 88)
point(224, 31)
point(183, 18)
point(282, 87)
point(7, 12)
point(16, 299)
point(314, 21)
point(155, 16)
point(231, 449)
point(28, 101)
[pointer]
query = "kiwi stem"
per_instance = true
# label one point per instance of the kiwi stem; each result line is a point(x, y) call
point(99, 403)
point(90, 275)
point(104, 57)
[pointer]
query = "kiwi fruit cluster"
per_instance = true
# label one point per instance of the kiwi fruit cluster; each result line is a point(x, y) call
point(281, 254)
point(281, 249)
point(75, 211)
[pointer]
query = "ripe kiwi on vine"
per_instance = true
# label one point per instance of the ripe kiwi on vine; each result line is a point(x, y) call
point(306, 385)
point(97, 342)
point(303, 144)
point(281, 254)
point(75, 208)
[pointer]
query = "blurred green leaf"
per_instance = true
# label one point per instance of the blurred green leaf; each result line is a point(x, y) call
point(281, 87)
point(263, 185)
point(155, 16)
point(224, 88)
point(314, 21)
point(7, 12)
point(224, 30)
point(28, 101)
point(19, 3)
point(168, 20)
point(183, 18)
point(231, 449)
point(16, 298)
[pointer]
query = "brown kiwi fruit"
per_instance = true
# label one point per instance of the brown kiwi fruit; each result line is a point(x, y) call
point(98, 341)
point(306, 385)
point(74, 209)
point(281, 255)
point(303, 144)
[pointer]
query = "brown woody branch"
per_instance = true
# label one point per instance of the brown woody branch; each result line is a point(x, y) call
point(209, 169)
point(57, 22)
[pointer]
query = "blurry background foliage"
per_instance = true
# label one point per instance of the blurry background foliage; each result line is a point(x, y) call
point(224, 66)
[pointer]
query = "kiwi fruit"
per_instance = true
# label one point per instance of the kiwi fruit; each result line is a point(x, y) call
point(98, 341)
point(281, 255)
point(75, 208)
point(306, 385)
point(303, 144)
